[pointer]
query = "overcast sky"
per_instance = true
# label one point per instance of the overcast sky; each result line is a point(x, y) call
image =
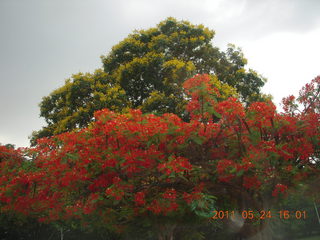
point(44, 42)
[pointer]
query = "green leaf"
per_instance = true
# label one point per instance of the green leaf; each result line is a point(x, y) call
point(255, 137)
point(214, 112)
point(197, 139)
point(233, 170)
point(72, 156)
point(240, 173)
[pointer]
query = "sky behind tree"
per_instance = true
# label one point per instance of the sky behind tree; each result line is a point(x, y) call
point(44, 42)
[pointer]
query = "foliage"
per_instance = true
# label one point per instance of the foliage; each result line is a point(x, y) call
point(72, 106)
point(146, 71)
point(135, 167)
point(308, 99)
point(156, 61)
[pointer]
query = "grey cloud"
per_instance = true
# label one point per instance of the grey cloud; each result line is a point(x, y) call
point(260, 18)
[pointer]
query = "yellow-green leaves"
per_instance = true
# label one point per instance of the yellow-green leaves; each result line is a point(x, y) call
point(155, 62)
point(225, 90)
point(146, 70)
point(177, 71)
point(72, 105)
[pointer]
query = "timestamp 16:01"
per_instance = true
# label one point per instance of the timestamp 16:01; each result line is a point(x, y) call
point(262, 214)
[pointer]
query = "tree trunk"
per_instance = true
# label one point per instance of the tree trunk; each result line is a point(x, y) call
point(249, 230)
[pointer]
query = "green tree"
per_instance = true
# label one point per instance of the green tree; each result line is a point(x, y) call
point(150, 65)
point(72, 105)
point(146, 70)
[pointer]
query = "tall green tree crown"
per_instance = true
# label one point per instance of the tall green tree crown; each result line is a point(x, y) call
point(146, 70)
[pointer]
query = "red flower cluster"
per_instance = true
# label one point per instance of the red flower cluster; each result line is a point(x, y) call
point(203, 95)
point(224, 169)
point(170, 194)
point(175, 164)
point(263, 114)
point(139, 198)
point(251, 182)
point(159, 164)
point(279, 188)
point(231, 109)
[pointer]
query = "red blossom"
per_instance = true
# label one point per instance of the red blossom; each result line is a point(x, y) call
point(170, 194)
point(279, 188)
point(251, 182)
point(140, 198)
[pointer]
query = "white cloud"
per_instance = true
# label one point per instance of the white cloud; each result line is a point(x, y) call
point(288, 60)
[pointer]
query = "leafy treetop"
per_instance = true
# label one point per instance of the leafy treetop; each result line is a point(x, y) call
point(146, 71)
point(155, 62)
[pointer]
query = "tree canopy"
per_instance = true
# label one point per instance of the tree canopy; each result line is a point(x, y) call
point(159, 59)
point(135, 168)
point(156, 61)
point(146, 71)
point(72, 105)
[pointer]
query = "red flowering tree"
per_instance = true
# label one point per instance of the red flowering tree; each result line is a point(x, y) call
point(133, 166)
point(122, 167)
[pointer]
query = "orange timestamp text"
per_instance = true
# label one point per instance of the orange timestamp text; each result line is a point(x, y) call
point(262, 214)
